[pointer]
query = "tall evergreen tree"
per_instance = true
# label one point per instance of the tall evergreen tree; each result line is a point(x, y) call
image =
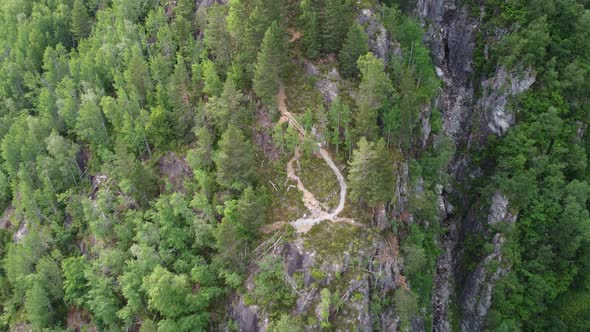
point(338, 17)
point(270, 65)
point(212, 85)
point(80, 20)
point(234, 160)
point(374, 92)
point(354, 46)
point(339, 117)
point(371, 173)
point(217, 38)
point(310, 24)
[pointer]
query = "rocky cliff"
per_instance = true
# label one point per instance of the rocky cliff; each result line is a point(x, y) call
point(452, 27)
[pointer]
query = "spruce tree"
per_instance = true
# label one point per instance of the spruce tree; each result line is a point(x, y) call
point(384, 174)
point(339, 117)
point(371, 175)
point(354, 46)
point(374, 92)
point(80, 20)
point(361, 167)
point(212, 85)
point(310, 24)
point(338, 17)
point(234, 160)
point(270, 65)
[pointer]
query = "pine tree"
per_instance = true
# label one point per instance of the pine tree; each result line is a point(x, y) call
point(80, 20)
point(264, 13)
point(339, 117)
point(361, 167)
point(384, 173)
point(202, 156)
point(38, 306)
point(251, 211)
point(374, 92)
point(234, 160)
point(338, 17)
point(211, 81)
point(217, 38)
point(310, 23)
point(270, 65)
point(354, 46)
point(226, 110)
point(371, 175)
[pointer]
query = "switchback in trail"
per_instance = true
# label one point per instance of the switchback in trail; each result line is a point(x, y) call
point(304, 224)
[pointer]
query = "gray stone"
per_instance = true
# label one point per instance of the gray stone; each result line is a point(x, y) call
point(379, 40)
point(496, 92)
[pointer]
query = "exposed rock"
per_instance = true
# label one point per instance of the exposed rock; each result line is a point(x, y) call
point(451, 38)
point(5, 220)
point(417, 325)
point(328, 89)
point(499, 210)
point(175, 169)
point(478, 289)
point(22, 231)
point(379, 40)
point(245, 316)
point(477, 292)
point(209, 3)
point(496, 92)
point(310, 69)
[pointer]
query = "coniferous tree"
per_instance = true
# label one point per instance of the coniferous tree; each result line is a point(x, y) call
point(217, 38)
point(339, 117)
point(311, 34)
point(212, 85)
point(371, 174)
point(38, 306)
point(234, 160)
point(338, 17)
point(374, 92)
point(270, 65)
point(80, 20)
point(354, 46)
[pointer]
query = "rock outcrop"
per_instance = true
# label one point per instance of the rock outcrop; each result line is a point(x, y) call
point(379, 40)
point(496, 92)
point(452, 26)
point(479, 285)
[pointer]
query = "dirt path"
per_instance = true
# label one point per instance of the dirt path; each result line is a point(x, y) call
point(317, 214)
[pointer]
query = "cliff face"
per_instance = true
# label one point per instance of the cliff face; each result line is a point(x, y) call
point(451, 35)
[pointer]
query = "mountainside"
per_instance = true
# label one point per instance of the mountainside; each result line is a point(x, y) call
point(294, 165)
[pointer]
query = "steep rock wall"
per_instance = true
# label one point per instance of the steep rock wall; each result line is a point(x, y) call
point(451, 33)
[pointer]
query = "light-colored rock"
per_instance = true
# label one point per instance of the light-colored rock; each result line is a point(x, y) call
point(479, 285)
point(496, 92)
point(379, 40)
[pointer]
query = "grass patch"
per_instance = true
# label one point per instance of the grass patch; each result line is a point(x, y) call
point(301, 92)
point(330, 240)
point(285, 201)
point(319, 178)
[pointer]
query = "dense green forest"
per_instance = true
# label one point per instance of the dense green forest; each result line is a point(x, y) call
point(155, 153)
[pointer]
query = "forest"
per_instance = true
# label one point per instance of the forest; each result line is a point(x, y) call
point(287, 165)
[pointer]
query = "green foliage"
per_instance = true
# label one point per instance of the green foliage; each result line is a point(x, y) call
point(405, 306)
point(270, 65)
point(324, 307)
point(354, 46)
point(311, 29)
point(375, 92)
point(371, 175)
point(234, 160)
point(337, 21)
point(286, 323)
point(271, 290)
